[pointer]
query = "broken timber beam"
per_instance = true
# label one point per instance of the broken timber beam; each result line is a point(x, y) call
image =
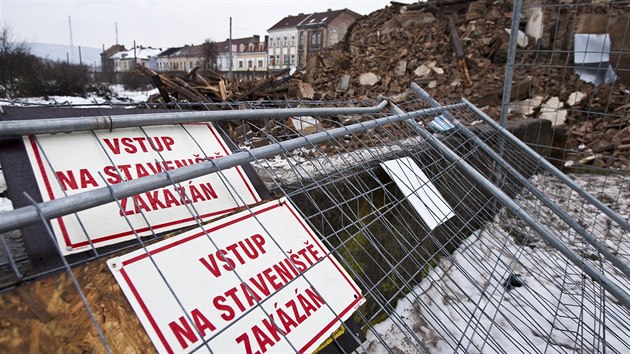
point(262, 85)
point(459, 50)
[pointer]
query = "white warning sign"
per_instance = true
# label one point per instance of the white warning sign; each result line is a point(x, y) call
point(254, 282)
point(66, 164)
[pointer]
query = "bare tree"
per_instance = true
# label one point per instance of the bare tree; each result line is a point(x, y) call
point(210, 53)
point(24, 74)
point(15, 58)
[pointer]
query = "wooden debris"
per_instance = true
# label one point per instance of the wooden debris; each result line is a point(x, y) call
point(379, 43)
point(459, 51)
point(48, 316)
point(212, 87)
point(306, 91)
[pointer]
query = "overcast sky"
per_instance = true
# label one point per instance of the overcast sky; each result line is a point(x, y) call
point(156, 23)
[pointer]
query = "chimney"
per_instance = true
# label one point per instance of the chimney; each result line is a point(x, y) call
point(329, 10)
point(256, 38)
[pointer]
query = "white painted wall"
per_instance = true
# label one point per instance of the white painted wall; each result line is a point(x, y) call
point(289, 49)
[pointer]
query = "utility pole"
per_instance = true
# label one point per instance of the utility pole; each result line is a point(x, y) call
point(80, 61)
point(103, 60)
point(71, 42)
point(116, 31)
point(230, 50)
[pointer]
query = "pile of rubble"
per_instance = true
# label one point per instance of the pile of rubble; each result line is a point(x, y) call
point(458, 48)
point(211, 87)
point(455, 49)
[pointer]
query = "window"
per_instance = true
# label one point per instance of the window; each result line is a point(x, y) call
point(260, 63)
point(292, 58)
point(302, 38)
point(240, 63)
point(285, 41)
point(286, 58)
point(190, 65)
point(250, 63)
point(315, 39)
point(241, 48)
point(292, 40)
point(277, 41)
point(271, 61)
point(277, 59)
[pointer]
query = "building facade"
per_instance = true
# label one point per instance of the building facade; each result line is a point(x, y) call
point(294, 37)
point(321, 30)
point(163, 61)
point(249, 57)
point(283, 42)
point(107, 63)
point(126, 60)
point(187, 57)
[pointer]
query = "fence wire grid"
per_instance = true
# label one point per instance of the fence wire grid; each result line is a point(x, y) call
point(524, 259)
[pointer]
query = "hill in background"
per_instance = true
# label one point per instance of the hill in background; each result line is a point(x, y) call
point(90, 56)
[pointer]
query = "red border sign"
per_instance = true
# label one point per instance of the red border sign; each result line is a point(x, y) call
point(67, 164)
point(333, 294)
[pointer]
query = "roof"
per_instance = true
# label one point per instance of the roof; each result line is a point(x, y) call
point(288, 22)
point(259, 46)
point(314, 19)
point(324, 18)
point(188, 51)
point(141, 53)
point(113, 50)
point(169, 51)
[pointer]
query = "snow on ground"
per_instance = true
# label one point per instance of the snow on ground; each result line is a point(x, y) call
point(308, 163)
point(463, 305)
point(132, 96)
point(5, 203)
point(119, 95)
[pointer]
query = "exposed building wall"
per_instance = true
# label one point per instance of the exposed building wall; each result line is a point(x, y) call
point(338, 27)
point(316, 36)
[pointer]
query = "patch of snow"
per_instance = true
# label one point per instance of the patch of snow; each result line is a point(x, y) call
point(295, 166)
point(3, 182)
point(54, 100)
point(133, 96)
point(120, 95)
point(5, 204)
